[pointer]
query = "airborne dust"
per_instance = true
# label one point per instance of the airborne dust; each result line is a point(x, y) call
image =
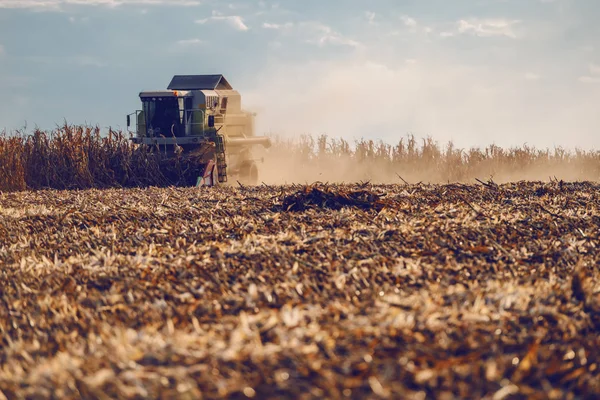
point(530, 120)
point(281, 166)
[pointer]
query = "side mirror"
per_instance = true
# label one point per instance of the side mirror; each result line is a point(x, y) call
point(211, 121)
point(128, 121)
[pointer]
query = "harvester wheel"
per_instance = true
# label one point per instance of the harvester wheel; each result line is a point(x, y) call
point(215, 176)
point(210, 176)
point(249, 173)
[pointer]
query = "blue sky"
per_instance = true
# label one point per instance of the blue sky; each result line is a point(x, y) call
point(473, 71)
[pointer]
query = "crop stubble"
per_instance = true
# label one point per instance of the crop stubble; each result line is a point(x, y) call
point(324, 291)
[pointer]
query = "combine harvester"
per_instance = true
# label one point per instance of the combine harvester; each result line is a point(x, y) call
point(201, 118)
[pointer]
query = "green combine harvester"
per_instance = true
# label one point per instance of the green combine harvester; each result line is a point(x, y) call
point(200, 117)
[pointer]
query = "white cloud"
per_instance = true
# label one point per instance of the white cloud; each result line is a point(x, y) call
point(268, 25)
point(190, 42)
point(488, 27)
point(314, 32)
point(73, 19)
point(413, 26)
point(236, 21)
point(370, 15)
point(322, 35)
point(57, 4)
point(408, 21)
point(594, 69)
point(530, 76)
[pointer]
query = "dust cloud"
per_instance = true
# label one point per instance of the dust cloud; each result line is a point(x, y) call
point(471, 107)
point(281, 168)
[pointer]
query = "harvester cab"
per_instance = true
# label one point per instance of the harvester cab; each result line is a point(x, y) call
point(201, 116)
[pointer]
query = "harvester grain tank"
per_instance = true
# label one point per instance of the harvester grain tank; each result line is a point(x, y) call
point(201, 116)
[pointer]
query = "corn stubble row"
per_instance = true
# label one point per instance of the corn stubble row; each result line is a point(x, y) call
point(351, 291)
point(80, 157)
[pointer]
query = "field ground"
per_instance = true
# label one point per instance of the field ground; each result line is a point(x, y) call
point(420, 291)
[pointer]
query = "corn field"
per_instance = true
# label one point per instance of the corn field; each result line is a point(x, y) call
point(424, 160)
point(79, 157)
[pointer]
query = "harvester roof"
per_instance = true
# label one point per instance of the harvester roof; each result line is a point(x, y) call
point(164, 93)
point(199, 82)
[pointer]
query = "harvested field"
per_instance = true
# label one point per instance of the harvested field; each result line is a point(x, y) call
point(357, 291)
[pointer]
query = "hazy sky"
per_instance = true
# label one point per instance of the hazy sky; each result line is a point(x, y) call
point(473, 71)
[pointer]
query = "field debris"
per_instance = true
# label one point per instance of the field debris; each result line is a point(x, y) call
point(332, 197)
point(451, 291)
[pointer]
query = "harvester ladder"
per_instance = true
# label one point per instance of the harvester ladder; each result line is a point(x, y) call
point(221, 161)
